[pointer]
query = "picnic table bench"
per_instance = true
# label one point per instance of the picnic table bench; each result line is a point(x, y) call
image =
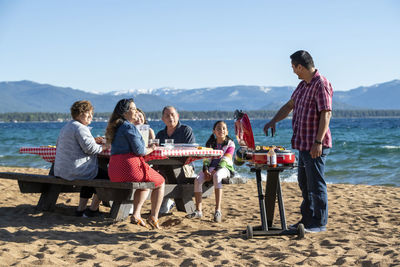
point(50, 187)
point(121, 194)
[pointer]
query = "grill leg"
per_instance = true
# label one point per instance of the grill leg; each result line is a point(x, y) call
point(281, 207)
point(270, 192)
point(261, 201)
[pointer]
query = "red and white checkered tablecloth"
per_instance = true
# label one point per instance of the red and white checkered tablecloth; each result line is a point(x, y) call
point(48, 153)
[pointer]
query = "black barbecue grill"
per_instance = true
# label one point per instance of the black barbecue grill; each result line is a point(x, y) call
point(273, 189)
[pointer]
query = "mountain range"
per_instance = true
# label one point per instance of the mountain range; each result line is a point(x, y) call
point(28, 96)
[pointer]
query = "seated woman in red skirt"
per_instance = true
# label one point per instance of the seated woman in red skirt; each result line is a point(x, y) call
point(127, 163)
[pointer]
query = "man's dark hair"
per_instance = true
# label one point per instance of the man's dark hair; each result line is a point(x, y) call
point(168, 107)
point(303, 58)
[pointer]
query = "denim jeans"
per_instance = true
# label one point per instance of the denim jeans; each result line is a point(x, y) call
point(314, 208)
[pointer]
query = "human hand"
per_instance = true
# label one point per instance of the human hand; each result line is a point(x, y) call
point(316, 151)
point(207, 176)
point(268, 125)
point(152, 147)
point(99, 140)
point(106, 146)
point(212, 173)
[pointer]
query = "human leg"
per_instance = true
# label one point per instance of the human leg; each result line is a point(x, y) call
point(317, 194)
point(302, 181)
point(157, 196)
point(198, 191)
point(139, 197)
point(95, 203)
point(94, 206)
point(85, 194)
point(217, 181)
point(81, 206)
point(93, 210)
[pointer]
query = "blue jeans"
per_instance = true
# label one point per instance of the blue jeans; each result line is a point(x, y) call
point(314, 208)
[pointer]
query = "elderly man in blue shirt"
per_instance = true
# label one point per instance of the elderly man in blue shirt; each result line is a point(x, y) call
point(182, 134)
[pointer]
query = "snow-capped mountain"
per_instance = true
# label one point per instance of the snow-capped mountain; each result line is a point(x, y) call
point(27, 96)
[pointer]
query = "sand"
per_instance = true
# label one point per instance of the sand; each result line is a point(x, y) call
point(363, 230)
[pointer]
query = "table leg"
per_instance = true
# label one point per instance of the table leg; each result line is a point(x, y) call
point(174, 174)
point(48, 198)
point(120, 211)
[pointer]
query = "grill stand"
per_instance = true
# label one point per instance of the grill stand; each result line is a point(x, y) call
point(267, 205)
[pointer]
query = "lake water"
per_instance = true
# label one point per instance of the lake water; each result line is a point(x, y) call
point(365, 151)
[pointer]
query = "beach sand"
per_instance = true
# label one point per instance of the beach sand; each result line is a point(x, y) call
point(363, 230)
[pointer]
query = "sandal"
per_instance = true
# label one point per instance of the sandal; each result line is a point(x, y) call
point(139, 222)
point(153, 222)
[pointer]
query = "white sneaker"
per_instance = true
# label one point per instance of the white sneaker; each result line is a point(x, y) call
point(167, 205)
point(218, 216)
point(131, 210)
point(195, 214)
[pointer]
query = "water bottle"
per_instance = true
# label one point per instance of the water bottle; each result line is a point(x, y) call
point(271, 158)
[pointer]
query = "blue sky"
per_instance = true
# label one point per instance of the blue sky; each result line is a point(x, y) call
point(118, 45)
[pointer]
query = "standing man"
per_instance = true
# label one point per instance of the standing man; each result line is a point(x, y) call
point(311, 103)
point(182, 134)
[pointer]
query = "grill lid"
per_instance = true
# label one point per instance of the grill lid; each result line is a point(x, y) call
point(243, 130)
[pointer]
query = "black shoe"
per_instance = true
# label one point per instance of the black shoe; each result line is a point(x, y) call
point(88, 213)
point(79, 213)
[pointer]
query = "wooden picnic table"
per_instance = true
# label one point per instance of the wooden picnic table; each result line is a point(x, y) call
point(169, 162)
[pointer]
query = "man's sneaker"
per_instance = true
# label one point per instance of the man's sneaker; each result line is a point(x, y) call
point(313, 230)
point(195, 214)
point(166, 206)
point(88, 213)
point(218, 216)
point(131, 210)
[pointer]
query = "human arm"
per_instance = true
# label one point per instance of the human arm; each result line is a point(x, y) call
point(135, 139)
point(189, 136)
point(323, 100)
point(150, 149)
point(325, 117)
point(226, 159)
point(86, 140)
point(99, 140)
point(283, 112)
point(151, 134)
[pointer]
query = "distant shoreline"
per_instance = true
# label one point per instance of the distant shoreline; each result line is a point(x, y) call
point(191, 115)
point(211, 119)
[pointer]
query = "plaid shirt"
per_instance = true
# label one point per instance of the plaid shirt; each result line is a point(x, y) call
point(309, 100)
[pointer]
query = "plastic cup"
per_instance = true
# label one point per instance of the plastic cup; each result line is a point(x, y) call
point(154, 141)
point(169, 143)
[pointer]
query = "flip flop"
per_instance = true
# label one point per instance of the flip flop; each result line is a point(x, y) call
point(139, 222)
point(153, 222)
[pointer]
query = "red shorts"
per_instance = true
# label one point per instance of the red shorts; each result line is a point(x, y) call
point(131, 168)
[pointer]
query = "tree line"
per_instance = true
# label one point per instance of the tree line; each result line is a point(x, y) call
point(197, 115)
